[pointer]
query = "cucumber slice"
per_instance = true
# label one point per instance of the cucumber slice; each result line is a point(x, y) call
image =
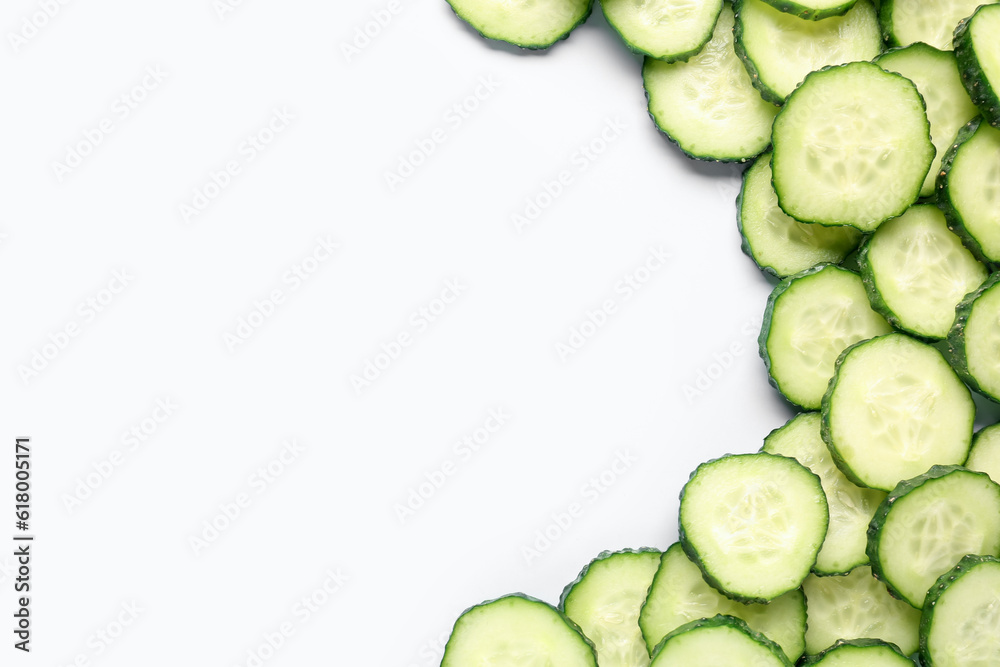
point(985, 453)
point(895, 408)
point(753, 523)
point(778, 244)
point(721, 641)
point(668, 30)
point(930, 21)
point(842, 159)
point(916, 272)
point(857, 605)
point(514, 631)
point(780, 49)
point(813, 10)
point(978, 51)
point(851, 507)
point(530, 24)
point(949, 109)
point(974, 341)
point(860, 653)
point(708, 105)
point(969, 188)
point(810, 319)
point(928, 523)
point(960, 626)
point(679, 595)
point(604, 602)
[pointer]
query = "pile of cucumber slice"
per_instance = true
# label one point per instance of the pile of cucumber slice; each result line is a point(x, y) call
point(866, 530)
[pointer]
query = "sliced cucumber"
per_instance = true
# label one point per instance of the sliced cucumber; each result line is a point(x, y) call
point(840, 157)
point(668, 30)
point(514, 631)
point(985, 453)
point(916, 271)
point(860, 653)
point(604, 602)
point(960, 626)
point(707, 105)
point(851, 507)
point(895, 408)
point(969, 188)
point(679, 595)
point(928, 523)
point(974, 341)
point(780, 49)
point(930, 21)
point(977, 48)
point(857, 606)
point(530, 24)
point(753, 523)
point(949, 109)
point(810, 319)
point(721, 641)
point(813, 10)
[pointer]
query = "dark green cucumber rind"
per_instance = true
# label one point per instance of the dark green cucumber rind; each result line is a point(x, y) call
point(694, 156)
point(973, 78)
point(695, 557)
point(875, 297)
point(955, 222)
point(673, 58)
point(765, 327)
point(529, 47)
point(765, 91)
point(874, 528)
point(744, 241)
point(956, 354)
point(967, 564)
point(565, 619)
point(808, 13)
point(727, 621)
point(604, 555)
point(885, 20)
point(859, 643)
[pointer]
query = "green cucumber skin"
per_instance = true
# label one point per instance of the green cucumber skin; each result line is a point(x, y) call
point(885, 20)
point(875, 297)
point(860, 643)
point(956, 354)
point(944, 581)
point(808, 13)
point(765, 91)
point(744, 241)
point(529, 47)
point(730, 621)
point(677, 57)
point(975, 82)
point(951, 214)
point(604, 555)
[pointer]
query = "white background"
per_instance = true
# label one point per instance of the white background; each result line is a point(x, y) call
point(629, 391)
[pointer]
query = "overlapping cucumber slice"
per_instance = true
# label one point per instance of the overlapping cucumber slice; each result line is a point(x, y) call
point(985, 453)
point(719, 641)
point(969, 188)
point(977, 47)
point(530, 24)
point(960, 626)
point(974, 341)
point(668, 30)
point(932, 22)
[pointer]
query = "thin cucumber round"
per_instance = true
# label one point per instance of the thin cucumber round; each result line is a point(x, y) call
point(925, 526)
point(754, 524)
point(985, 453)
point(679, 595)
point(916, 271)
point(969, 188)
point(810, 319)
point(977, 48)
point(949, 108)
point(860, 653)
point(780, 49)
point(517, 630)
point(851, 507)
point(857, 605)
point(851, 147)
point(974, 341)
point(813, 10)
point(668, 30)
point(604, 602)
point(530, 24)
point(708, 105)
point(720, 641)
point(960, 626)
point(895, 408)
point(930, 21)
